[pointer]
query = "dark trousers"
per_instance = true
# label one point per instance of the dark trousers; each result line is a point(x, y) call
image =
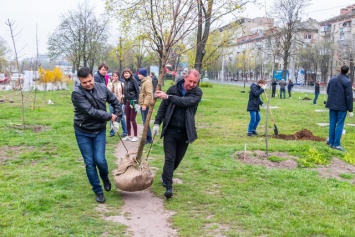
point(273, 91)
point(282, 92)
point(131, 120)
point(175, 146)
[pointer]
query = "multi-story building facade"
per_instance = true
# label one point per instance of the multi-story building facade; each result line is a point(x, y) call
point(339, 31)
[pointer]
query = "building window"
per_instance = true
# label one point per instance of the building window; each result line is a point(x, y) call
point(307, 36)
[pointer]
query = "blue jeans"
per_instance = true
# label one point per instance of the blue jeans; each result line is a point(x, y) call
point(144, 117)
point(315, 97)
point(336, 125)
point(92, 147)
point(254, 121)
point(283, 91)
point(123, 122)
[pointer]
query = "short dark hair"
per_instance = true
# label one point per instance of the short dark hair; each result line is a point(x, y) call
point(344, 69)
point(103, 65)
point(153, 74)
point(84, 72)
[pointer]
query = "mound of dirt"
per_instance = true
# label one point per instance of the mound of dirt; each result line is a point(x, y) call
point(304, 134)
point(260, 158)
point(306, 98)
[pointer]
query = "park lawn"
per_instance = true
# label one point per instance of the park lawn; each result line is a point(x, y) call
point(45, 191)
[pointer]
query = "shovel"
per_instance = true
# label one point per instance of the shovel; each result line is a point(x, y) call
point(276, 131)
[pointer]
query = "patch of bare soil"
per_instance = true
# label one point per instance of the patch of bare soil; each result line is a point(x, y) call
point(34, 128)
point(304, 134)
point(142, 212)
point(11, 152)
point(260, 158)
point(335, 169)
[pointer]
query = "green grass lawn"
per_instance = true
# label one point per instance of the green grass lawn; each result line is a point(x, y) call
point(45, 192)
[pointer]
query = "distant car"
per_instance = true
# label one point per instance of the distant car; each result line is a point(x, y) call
point(4, 79)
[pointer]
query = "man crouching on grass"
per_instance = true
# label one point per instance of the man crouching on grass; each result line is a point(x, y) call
point(90, 118)
point(177, 112)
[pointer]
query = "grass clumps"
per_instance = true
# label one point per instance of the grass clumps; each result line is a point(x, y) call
point(206, 84)
point(276, 159)
point(313, 157)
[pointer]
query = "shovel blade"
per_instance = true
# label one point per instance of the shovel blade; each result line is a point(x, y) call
point(276, 131)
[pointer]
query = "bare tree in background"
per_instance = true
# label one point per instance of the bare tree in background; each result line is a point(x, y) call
point(164, 24)
point(210, 11)
point(79, 37)
point(288, 15)
point(325, 50)
point(14, 35)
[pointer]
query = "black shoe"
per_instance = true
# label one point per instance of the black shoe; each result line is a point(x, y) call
point(168, 192)
point(107, 184)
point(251, 134)
point(255, 133)
point(148, 142)
point(100, 198)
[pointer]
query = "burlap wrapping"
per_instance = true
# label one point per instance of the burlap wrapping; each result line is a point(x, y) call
point(129, 177)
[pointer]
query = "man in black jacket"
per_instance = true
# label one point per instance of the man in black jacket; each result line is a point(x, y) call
point(177, 113)
point(90, 118)
point(340, 100)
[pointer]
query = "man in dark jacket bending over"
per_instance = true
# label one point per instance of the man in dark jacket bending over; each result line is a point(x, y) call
point(90, 118)
point(340, 100)
point(177, 112)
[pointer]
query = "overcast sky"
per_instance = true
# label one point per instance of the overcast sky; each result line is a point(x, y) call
point(46, 15)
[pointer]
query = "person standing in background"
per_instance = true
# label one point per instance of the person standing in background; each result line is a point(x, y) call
point(316, 92)
point(282, 85)
point(254, 103)
point(145, 98)
point(131, 94)
point(273, 87)
point(289, 88)
point(117, 88)
point(100, 75)
point(340, 100)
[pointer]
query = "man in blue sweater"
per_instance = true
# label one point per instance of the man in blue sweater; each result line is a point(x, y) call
point(340, 100)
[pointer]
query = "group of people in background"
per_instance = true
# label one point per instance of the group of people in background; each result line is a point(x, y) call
point(282, 85)
point(134, 95)
point(339, 102)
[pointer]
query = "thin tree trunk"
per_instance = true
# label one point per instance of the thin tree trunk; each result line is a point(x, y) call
point(150, 112)
point(10, 24)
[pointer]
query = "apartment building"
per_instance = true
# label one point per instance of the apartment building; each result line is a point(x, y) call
point(340, 32)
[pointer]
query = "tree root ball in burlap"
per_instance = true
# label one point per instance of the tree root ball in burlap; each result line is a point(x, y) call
point(132, 177)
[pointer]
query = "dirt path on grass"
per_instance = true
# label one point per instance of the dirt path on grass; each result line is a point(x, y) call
point(142, 212)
